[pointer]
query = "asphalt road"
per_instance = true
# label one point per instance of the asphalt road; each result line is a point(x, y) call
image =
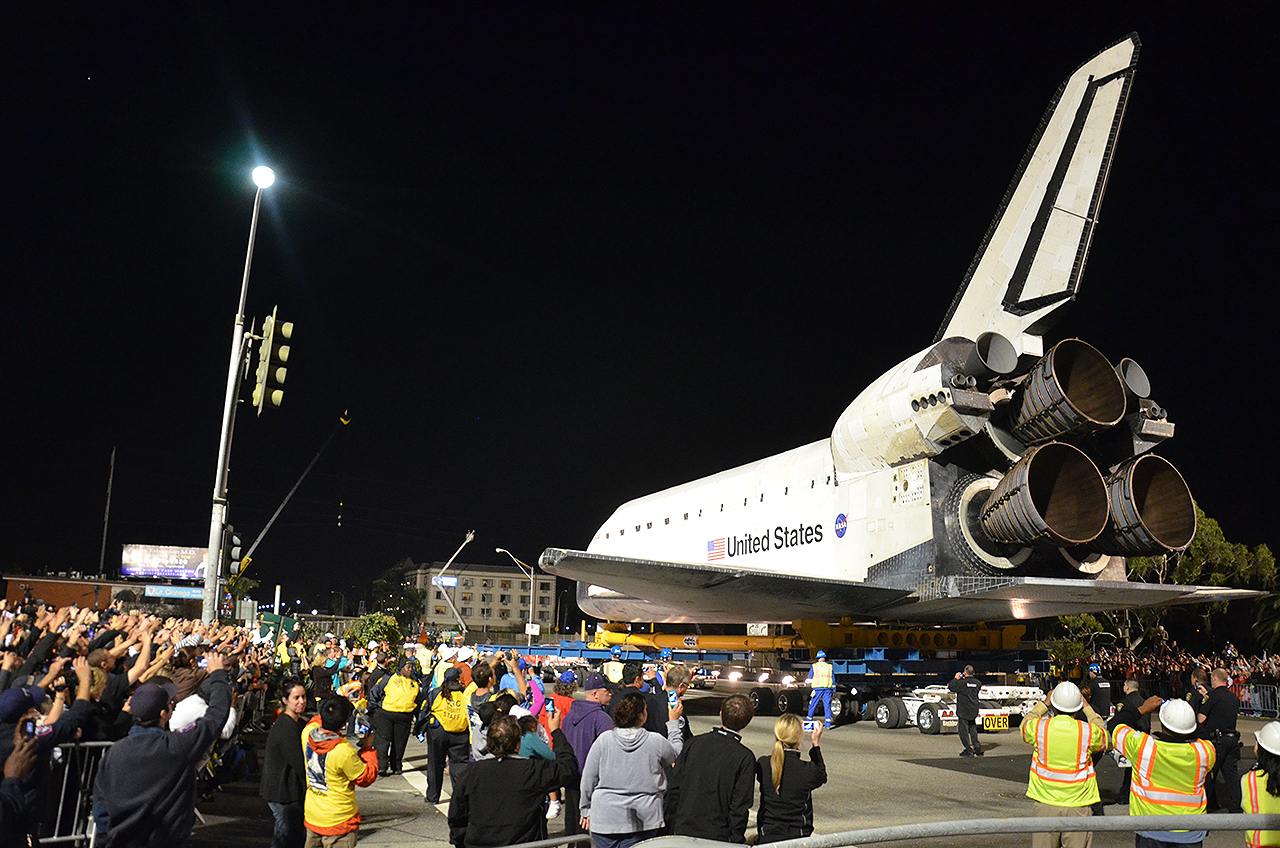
point(876, 778)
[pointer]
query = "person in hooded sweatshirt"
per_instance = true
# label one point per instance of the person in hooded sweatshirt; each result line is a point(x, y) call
point(624, 779)
point(583, 724)
point(334, 769)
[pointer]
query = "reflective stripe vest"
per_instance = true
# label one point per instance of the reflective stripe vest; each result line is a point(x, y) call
point(1168, 777)
point(1061, 766)
point(821, 676)
point(1257, 800)
point(613, 671)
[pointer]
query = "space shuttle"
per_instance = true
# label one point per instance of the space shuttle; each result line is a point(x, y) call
point(984, 478)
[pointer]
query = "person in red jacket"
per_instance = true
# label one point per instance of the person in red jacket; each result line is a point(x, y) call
point(334, 769)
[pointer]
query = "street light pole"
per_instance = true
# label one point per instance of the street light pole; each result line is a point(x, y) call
point(262, 177)
point(525, 570)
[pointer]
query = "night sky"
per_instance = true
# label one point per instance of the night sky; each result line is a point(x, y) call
point(553, 257)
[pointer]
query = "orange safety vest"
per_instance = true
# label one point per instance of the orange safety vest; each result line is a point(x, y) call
point(1257, 800)
point(1168, 777)
point(1061, 766)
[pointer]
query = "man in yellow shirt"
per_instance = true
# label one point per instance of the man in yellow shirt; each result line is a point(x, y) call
point(1169, 770)
point(1062, 781)
point(334, 769)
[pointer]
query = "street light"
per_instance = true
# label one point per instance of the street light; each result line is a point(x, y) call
point(262, 178)
point(525, 570)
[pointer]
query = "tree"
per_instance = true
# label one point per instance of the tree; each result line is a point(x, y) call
point(393, 595)
point(1081, 634)
point(376, 626)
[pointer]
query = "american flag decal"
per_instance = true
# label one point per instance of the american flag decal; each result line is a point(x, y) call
point(715, 550)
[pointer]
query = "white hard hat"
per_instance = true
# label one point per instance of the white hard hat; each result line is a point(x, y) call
point(373, 644)
point(448, 654)
point(1176, 716)
point(465, 654)
point(1269, 737)
point(1066, 697)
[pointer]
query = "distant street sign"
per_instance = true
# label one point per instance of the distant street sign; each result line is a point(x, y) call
point(532, 629)
point(195, 592)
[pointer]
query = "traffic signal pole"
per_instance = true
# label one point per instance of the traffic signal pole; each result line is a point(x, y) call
point(235, 373)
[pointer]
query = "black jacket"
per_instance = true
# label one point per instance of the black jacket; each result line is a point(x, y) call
point(710, 794)
point(499, 802)
point(787, 813)
point(34, 787)
point(966, 689)
point(284, 771)
point(145, 794)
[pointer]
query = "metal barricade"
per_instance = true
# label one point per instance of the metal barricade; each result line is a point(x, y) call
point(74, 768)
point(1259, 700)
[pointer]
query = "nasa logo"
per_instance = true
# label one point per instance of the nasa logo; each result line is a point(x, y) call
point(691, 641)
point(842, 524)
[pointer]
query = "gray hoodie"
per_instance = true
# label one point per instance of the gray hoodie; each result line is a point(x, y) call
point(625, 778)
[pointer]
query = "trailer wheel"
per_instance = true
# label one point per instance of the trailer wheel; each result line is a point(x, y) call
point(885, 714)
point(762, 700)
point(849, 711)
point(900, 708)
point(787, 702)
point(868, 709)
point(928, 719)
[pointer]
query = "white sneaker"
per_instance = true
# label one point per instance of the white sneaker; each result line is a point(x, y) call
point(553, 810)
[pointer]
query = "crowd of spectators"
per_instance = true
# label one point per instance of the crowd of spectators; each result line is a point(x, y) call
point(1164, 668)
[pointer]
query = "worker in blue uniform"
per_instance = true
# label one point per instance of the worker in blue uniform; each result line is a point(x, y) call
point(823, 682)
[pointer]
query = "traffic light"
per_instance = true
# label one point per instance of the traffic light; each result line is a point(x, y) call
point(232, 549)
point(272, 354)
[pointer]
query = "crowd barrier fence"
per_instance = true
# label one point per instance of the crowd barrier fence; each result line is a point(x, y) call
point(70, 817)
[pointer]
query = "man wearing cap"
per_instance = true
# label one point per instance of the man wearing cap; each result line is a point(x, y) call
point(822, 679)
point(967, 687)
point(585, 722)
point(1062, 781)
point(21, 704)
point(1097, 691)
point(612, 669)
point(1218, 724)
point(1169, 771)
point(145, 793)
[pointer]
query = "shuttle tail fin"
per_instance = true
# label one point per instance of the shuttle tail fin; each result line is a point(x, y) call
point(1029, 264)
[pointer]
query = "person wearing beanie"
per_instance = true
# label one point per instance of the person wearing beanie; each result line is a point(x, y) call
point(1169, 771)
point(145, 792)
point(1062, 780)
point(1260, 787)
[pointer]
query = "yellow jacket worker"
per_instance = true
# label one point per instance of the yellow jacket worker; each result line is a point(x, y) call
point(1063, 782)
point(1261, 787)
point(1169, 770)
point(334, 769)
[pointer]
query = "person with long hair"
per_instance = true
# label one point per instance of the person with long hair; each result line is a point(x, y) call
point(787, 782)
point(448, 735)
point(1261, 786)
point(624, 779)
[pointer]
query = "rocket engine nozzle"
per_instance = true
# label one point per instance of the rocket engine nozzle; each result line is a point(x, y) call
point(1053, 495)
point(1071, 391)
point(1151, 510)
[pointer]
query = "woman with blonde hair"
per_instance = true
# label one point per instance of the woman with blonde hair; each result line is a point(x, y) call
point(787, 782)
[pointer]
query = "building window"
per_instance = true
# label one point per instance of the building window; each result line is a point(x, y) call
point(504, 599)
point(524, 600)
point(485, 612)
point(466, 612)
point(466, 582)
point(439, 610)
point(502, 613)
point(506, 584)
point(524, 585)
point(543, 615)
point(544, 586)
point(544, 601)
point(485, 584)
point(466, 596)
point(439, 595)
point(486, 598)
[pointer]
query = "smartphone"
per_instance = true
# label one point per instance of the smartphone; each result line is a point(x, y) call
point(203, 663)
point(551, 707)
point(362, 725)
point(28, 728)
point(810, 725)
point(673, 698)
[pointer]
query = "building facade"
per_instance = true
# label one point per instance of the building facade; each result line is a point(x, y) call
point(490, 598)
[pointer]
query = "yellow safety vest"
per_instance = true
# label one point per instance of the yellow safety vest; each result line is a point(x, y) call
point(1061, 767)
point(1257, 800)
point(613, 671)
point(822, 677)
point(1168, 777)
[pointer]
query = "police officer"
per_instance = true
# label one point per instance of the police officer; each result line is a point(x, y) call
point(1218, 724)
point(966, 687)
point(822, 679)
point(1099, 689)
point(612, 669)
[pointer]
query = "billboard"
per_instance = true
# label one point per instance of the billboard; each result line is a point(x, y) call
point(164, 561)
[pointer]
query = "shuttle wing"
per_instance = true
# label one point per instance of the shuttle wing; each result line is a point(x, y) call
point(1029, 264)
point(699, 592)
